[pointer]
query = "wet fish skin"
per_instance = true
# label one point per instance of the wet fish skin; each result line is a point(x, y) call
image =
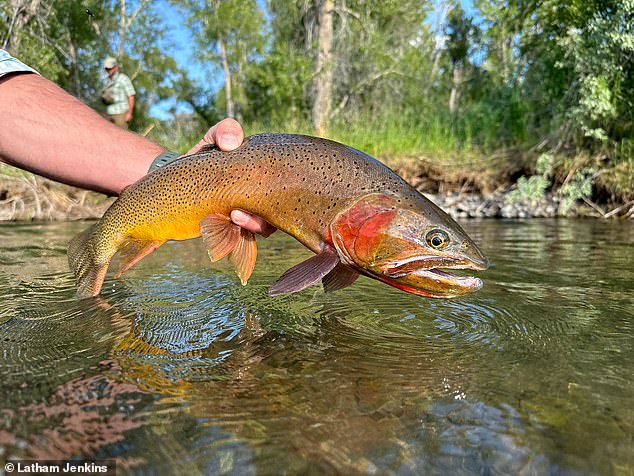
point(356, 214)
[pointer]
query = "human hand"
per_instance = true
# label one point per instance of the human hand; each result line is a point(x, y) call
point(228, 135)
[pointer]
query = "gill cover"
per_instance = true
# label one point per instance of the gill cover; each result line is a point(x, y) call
point(359, 231)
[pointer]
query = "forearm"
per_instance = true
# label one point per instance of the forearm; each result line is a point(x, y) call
point(49, 132)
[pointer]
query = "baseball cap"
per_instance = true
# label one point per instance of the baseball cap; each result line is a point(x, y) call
point(110, 62)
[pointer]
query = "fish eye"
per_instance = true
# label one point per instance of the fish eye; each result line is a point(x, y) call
point(437, 239)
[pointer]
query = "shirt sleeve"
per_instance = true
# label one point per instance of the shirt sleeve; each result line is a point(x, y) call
point(8, 64)
point(127, 86)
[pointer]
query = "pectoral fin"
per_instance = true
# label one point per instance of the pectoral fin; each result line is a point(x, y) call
point(244, 254)
point(222, 237)
point(306, 273)
point(133, 252)
point(219, 235)
point(340, 277)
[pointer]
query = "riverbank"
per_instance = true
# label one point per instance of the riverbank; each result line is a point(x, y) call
point(499, 205)
point(26, 197)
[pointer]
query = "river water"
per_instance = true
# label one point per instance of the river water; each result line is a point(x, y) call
point(179, 369)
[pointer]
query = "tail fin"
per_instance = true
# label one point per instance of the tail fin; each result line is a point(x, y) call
point(90, 269)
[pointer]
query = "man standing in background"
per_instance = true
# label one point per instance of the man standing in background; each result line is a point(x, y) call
point(118, 95)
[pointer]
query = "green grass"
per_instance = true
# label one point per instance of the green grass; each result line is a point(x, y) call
point(395, 137)
point(387, 137)
point(10, 171)
point(428, 132)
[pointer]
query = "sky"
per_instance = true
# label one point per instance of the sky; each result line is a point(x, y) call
point(182, 50)
point(179, 34)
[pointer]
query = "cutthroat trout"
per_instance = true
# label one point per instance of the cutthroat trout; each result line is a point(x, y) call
point(356, 214)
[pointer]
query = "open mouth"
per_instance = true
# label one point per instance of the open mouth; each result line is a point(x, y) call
point(445, 277)
point(433, 282)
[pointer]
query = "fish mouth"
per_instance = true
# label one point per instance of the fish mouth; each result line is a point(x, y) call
point(439, 282)
point(452, 280)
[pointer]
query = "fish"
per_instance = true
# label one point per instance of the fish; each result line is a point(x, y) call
point(357, 215)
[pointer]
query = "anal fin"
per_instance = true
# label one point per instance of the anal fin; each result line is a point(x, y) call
point(306, 273)
point(133, 252)
point(340, 277)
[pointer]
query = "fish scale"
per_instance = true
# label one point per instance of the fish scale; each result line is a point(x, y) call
point(302, 185)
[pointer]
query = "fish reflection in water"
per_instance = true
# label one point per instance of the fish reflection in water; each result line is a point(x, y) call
point(178, 371)
point(223, 380)
point(276, 392)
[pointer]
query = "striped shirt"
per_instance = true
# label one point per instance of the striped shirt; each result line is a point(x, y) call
point(121, 89)
point(8, 64)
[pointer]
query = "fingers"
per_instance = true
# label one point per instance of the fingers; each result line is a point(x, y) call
point(227, 135)
point(252, 223)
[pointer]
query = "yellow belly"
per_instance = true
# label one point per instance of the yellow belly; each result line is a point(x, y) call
point(182, 229)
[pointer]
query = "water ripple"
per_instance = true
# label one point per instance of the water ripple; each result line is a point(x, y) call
point(179, 367)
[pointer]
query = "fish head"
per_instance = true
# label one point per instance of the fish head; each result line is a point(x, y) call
point(410, 244)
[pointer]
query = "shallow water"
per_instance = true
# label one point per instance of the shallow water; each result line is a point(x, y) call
point(180, 370)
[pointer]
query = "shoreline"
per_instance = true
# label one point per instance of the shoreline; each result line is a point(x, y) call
point(27, 197)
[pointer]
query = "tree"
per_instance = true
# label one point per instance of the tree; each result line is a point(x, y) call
point(234, 29)
point(19, 13)
point(367, 57)
point(323, 68)
point(462, 35)
point(582, 56)
point(125, 22)
point(51, 38)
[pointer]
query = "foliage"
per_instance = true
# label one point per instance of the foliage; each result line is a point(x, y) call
point(229, 35)
point(275, 89)
point(582, 57)
point(579, 187)
point(531, 189)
